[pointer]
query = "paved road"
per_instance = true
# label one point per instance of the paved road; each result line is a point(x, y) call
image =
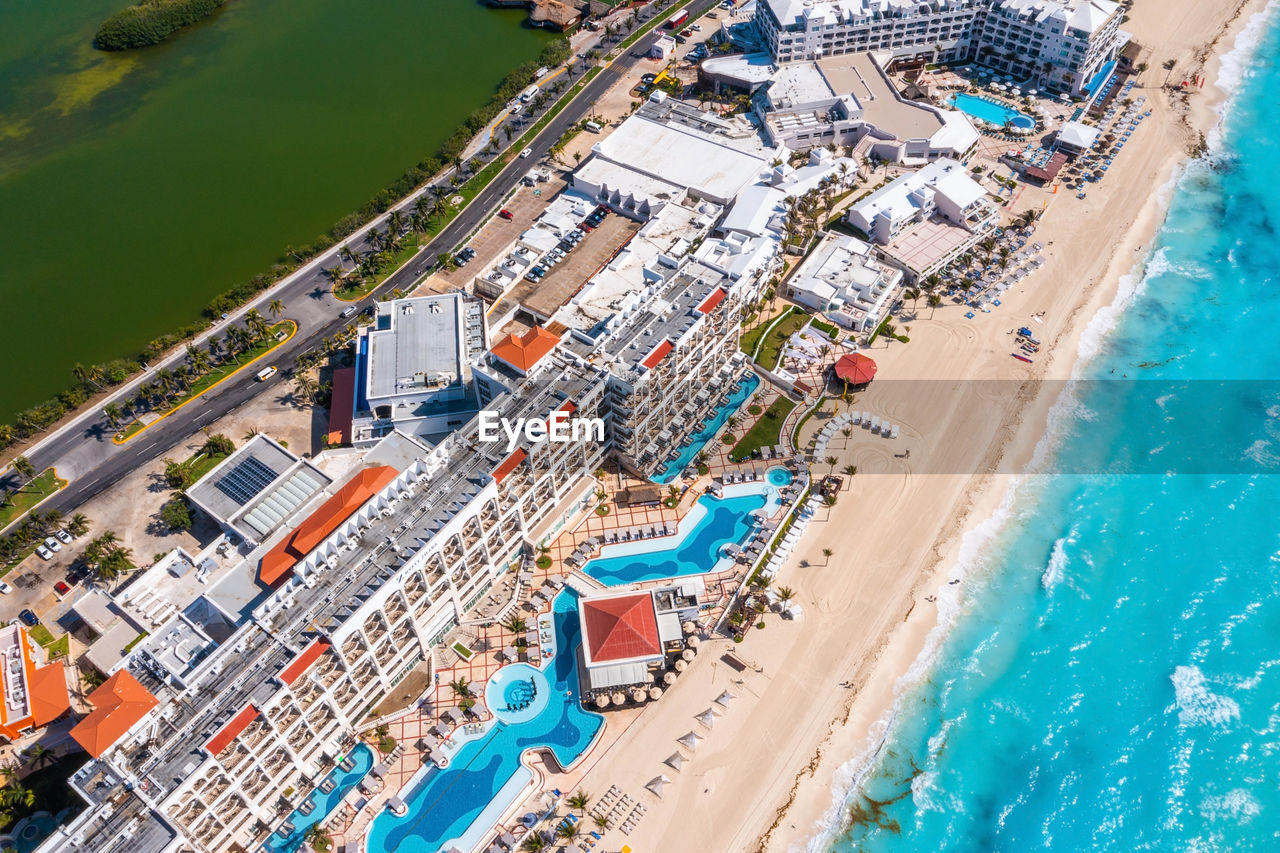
point(83, 451)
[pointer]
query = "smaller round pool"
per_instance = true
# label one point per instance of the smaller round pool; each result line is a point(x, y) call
point(779, 476)
point(517, 693)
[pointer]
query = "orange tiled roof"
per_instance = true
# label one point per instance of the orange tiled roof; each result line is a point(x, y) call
point(49, 698)
point(651, 361)
point(621, 627)
point(308, 656)
point(118, 704)
point(311, 532)
point(13, 722)
point(524, 351)
point(709, 304)
point(340, 405)
point(509, 464)
point(228, 733)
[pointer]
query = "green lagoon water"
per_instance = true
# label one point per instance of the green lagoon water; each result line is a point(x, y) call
point(135, 187)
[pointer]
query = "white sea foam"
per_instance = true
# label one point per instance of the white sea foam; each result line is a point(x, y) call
point(1197, 704)
point(1238, 806)
point(1260, 452)
point(1057, 568)
point(1235, 67)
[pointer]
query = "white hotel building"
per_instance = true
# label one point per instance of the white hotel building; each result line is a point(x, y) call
point(1059, 44)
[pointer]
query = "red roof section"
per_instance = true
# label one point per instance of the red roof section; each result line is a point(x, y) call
point(651, 360)
point(620, 627)
point(228, 733)
point(49, 698)
point(354, 494)
point(855, 368)
point(524, 351)
point(709, 304)
point(118, 704)
point(303, 661)
point(341, 405)
point(509, 464)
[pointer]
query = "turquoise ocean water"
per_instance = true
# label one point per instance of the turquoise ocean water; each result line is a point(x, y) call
point(1111, 679)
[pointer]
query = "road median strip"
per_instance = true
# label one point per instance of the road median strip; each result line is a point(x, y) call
point(138, 427)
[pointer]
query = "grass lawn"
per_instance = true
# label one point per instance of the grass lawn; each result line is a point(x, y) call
point(750, 339)
point(60, 647)
point(204, 383)
point(766, 432)
point(201, 464)
point(17, 504)
point(770, 347)
point(409, 247)
point(41, 635)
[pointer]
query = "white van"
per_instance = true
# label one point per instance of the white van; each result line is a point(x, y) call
point(266, 373)
point(592, 126)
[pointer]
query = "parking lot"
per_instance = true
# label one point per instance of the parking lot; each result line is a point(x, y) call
point(495, 237)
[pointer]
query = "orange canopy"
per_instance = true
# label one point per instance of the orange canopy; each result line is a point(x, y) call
point(856, 369)
point(354, 494)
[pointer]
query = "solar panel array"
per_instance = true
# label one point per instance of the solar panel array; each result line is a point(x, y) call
point(246, 480)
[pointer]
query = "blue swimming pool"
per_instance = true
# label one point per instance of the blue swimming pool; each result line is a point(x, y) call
point(344, 781)
point(991, 111)
point(699, 439)
point(455, 805)
point(695, 549)
point(779, 476)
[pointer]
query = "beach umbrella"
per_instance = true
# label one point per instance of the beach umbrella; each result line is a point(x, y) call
point(690, 740)
point(689, 626)
point(638, 695)
point(855, 369)
point(724, 698)
point(688, 654)
point(602, 701)
point(694, 642)
point(681, 666)
point(668, 678)
point(655, 693)
point(707, 718)
point(655, 785)
point(619, 698)
point(675, 761)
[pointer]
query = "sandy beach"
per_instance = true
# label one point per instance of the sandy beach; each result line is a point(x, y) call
point(762, 776)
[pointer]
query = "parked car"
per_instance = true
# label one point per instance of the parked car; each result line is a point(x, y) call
point(460, 259)
point(648, 78)
point(697, 28)
point(62, 588)
point(63, 536)
point(44, 553)
point(5, 589)
point(506, 214)
point(52, 544)
point(29, 618)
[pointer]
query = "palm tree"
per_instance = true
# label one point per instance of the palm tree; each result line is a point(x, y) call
point(349, 254)
point(568, 830)
point(39, 754)
point(461, 688)
point(831, 460)
point(275, 307)
point(78, 525)
point(395, 221)
point(515, 624)
point(826, 553)
point(25, 469)
point(580, 800)
point(1168, 65)
point(849, 471)
point(785, 594)
point(602, 821)
point(534, 843)
point(306, 386)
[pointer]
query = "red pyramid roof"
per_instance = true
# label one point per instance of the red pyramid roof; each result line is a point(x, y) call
point(620, 627)
point(855, 368)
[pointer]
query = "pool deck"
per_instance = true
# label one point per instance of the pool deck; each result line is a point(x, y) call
point(351, 824)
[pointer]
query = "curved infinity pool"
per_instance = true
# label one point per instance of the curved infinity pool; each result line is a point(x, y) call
point(455, 805)
point(991, 111)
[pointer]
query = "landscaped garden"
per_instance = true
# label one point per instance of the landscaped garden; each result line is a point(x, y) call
point(766, 432)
